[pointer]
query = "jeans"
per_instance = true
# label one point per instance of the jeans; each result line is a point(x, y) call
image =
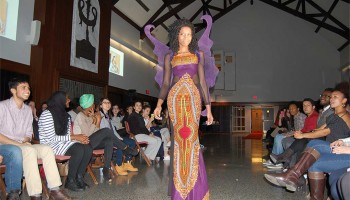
point(12, 158)
point(118, 159)
point(328, 162)
point(333, 180)
point(277, 144)
point(80, 156)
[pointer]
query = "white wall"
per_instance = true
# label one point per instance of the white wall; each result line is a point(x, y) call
point(345, 56)
point(19, 50)
point(279, 57)
point(138, 73)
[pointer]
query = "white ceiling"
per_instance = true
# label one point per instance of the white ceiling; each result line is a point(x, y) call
point(135, 12)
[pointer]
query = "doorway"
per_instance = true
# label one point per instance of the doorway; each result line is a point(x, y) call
point(257, 122)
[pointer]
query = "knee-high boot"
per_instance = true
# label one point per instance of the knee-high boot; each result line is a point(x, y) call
point(317, 183)
point(290, 179)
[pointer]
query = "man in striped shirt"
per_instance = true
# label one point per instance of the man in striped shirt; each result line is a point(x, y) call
point(16, 128)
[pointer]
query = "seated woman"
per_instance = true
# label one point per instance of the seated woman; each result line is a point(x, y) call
point(320, 156)
point(55, 131)
point(106, 122)
point(138, 128)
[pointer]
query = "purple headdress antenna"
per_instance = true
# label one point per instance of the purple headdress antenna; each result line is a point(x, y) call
point(160, 50)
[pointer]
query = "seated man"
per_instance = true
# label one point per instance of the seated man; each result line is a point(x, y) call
point(16, 128)
point(11, 156)
point(138, 128)
point(88, 122)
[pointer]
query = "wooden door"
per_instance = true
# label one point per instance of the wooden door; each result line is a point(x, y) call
point(257, 125)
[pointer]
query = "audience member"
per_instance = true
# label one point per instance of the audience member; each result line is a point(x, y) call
point(55, 131)
point(295, 147)
point(138, 128)
point(106, 122)
point(88, 122)
point(74, 109)
point(16, 128)
point(320, 156)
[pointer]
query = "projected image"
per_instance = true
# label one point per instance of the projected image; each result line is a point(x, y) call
point(116, 61)
point(8, 18)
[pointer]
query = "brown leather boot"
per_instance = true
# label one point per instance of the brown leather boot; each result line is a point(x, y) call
point(317, 183)
point(283, 157)
point(290, 179)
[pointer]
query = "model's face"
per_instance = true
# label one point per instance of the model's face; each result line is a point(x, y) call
point(137, 107)
point(106, 105)
point(325, 97)
point(185, 36)
point(293, 109)
point(145, 112)
point(21, 92)
point(115, 110)
point(337, 99)
point(308, 107)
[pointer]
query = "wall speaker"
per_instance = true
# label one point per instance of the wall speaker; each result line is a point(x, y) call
point(34, 36)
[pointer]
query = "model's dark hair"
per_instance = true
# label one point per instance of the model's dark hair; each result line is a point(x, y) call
point(310, 100)
point(14, 82)
point(173, 35)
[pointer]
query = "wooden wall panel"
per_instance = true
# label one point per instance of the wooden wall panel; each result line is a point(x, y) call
point(50, 60)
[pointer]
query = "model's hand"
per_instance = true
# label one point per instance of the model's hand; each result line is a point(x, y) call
point(1, 159)
point(209, 118)
point(341, 150)
point(298, 135)
point(337, 143)
point(157, 112)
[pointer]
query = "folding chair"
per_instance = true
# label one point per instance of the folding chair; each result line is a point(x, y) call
point(127, 128)
point(99, 153)
point(2, 184)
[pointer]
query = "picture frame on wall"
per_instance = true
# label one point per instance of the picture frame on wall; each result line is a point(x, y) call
point(116, 61)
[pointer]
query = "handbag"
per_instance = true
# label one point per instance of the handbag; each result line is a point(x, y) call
point(63, 168)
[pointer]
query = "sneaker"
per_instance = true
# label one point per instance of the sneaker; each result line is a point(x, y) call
point(278, 166)
point(267, 163)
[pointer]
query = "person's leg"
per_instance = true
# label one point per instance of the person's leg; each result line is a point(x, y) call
point(102, 139)
point(12, 158)
point(76, 151)
point(153, 144)
point(277, 144)
point(76, 154)
point(127, 166)
point(31, 171)
point(344, 186)
point(333, 179)
point(287, 142)
point(46, 154)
